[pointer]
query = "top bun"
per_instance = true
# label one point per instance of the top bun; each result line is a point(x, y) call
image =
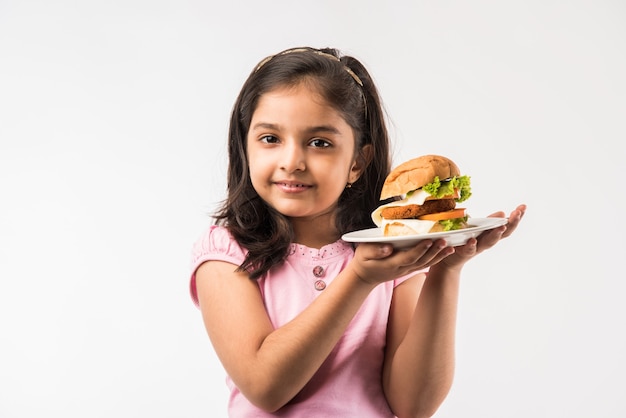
point(418, 172)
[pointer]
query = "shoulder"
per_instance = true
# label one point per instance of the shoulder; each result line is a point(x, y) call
point(216, 243)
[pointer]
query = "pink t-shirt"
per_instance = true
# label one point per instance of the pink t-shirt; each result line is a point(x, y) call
point(349, 382)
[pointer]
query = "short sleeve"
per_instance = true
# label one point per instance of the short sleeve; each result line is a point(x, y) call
point(215, 244)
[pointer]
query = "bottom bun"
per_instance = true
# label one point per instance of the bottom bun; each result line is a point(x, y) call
point(401, 227)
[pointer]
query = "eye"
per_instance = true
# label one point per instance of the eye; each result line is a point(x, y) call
point(269, 139)
point(320, 143)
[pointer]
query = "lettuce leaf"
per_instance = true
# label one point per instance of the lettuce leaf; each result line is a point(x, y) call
point(440, 188)
point(453, 224)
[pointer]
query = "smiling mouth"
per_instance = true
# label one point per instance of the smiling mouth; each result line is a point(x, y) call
point(291, 186)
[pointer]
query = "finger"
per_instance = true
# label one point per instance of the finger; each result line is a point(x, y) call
point(424, 254)
point(375, 251)
point(514, 220)
point(521, 209)
point(440, 255)
point(469, 249)
point(498, 214)
point(489, 238)
point(414, 254)
point(437, 252)
point(511, 226)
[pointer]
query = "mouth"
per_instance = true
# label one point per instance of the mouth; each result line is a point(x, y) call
point(292, 186)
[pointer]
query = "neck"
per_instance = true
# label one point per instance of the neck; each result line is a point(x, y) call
point(315, 232)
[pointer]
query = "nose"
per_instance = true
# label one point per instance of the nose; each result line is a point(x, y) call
point(293, 157)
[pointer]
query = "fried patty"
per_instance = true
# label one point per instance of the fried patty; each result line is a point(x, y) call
point(415, 211)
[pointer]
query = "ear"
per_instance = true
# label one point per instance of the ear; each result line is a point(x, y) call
point(362, 160)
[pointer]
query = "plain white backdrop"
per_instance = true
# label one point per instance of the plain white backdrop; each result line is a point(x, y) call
point(113, 120)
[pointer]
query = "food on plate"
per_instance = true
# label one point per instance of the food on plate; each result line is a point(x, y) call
point(427, 190)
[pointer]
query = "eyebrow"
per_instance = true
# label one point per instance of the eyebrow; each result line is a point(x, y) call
point(310, 130)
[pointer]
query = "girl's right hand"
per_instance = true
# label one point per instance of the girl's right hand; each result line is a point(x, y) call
point(377, 263)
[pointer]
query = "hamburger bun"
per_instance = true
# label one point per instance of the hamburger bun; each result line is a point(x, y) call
point(415, 173)
point(401, 227)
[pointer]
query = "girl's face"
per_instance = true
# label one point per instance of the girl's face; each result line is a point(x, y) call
point(301, 152)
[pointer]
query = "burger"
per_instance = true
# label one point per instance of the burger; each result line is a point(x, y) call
point(425, 193)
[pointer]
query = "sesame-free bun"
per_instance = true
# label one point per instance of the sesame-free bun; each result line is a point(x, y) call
point(418, 172)
point(402, 227)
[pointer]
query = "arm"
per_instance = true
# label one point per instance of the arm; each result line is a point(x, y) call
point(270, 366)
point(419, 359)
point(419, 366)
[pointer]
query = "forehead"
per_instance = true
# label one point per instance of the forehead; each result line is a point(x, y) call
point(299, 102)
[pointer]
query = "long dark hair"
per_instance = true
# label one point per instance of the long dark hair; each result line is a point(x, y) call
point(346, 86)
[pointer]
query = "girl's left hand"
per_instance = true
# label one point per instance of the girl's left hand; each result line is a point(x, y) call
point(485, 240)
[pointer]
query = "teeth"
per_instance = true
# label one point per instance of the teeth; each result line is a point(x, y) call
point(293, 185)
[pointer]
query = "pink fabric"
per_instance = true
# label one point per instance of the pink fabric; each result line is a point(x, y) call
point(348, 384)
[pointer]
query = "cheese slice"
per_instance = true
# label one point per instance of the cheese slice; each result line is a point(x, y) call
point(418, 197)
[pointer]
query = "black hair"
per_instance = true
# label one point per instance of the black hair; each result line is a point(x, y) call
point(346, 85)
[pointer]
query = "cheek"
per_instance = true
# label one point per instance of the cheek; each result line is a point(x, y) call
point(337, 179)
point(260, 175)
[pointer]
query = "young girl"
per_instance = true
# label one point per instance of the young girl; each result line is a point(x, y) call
point(305, 324)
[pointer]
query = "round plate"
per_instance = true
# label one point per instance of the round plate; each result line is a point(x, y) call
point(453, 238)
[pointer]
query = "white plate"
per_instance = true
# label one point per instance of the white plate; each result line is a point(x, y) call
point(453, 238)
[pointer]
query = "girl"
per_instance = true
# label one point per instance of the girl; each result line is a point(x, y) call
point(304, 323)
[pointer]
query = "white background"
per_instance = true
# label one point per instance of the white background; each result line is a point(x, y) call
point(113, 119)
